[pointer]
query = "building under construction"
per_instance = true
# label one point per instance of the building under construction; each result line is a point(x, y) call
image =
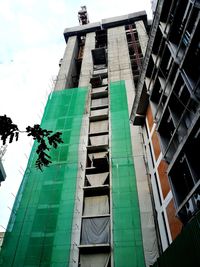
point(92, 206)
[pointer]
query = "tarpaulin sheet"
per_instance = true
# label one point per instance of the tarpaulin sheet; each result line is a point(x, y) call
point(98, 155)
point(95, 231)
point(97, 179)
point(99, 89)
point(97, 205)
point(99, 140)
point(99, 102)
point(94, 260)
point(99, 112)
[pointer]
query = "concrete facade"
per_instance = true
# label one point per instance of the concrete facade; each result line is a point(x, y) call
point(87, 65)
point(67, 68)
point(119, 65)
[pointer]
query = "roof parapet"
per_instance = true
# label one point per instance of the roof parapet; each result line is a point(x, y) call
point(106, 23)
point(81, 30)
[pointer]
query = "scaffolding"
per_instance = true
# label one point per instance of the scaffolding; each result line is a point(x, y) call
point(135, 51)
point(40, 226)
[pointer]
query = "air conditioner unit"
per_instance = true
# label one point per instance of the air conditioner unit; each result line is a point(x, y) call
point(190, 208)
point(197, 200)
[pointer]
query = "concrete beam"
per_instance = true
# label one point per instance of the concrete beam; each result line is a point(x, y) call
point(83, 29)
point(142, 35)
point(146, 211)
point(124, 20)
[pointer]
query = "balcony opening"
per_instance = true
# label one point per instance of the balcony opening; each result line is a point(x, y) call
point(101, 39)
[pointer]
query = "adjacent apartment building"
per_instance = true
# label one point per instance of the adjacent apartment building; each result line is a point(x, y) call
point(92, 206)
point(167, 106)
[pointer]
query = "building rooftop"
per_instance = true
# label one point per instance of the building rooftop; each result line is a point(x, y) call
point(106, 23)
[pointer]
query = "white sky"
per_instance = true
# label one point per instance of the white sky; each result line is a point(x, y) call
point(31, 46)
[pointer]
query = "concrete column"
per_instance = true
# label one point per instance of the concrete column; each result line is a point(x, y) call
point(119, 65)
point(146, 211)
point(68, 67)
point(87, 63)
point(142, 35)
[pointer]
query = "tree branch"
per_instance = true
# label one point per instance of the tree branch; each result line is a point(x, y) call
point(45, 138)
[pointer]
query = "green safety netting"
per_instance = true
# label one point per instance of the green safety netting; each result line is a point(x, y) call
point(127, 237)
point(39, 230)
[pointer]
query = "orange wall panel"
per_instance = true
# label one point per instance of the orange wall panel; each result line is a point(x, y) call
point(149, 117)
point(174, 223)
point(156, 144)
point(162, 171)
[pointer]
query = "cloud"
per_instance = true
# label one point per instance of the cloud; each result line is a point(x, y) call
point(29, 82)
point(6, 11)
